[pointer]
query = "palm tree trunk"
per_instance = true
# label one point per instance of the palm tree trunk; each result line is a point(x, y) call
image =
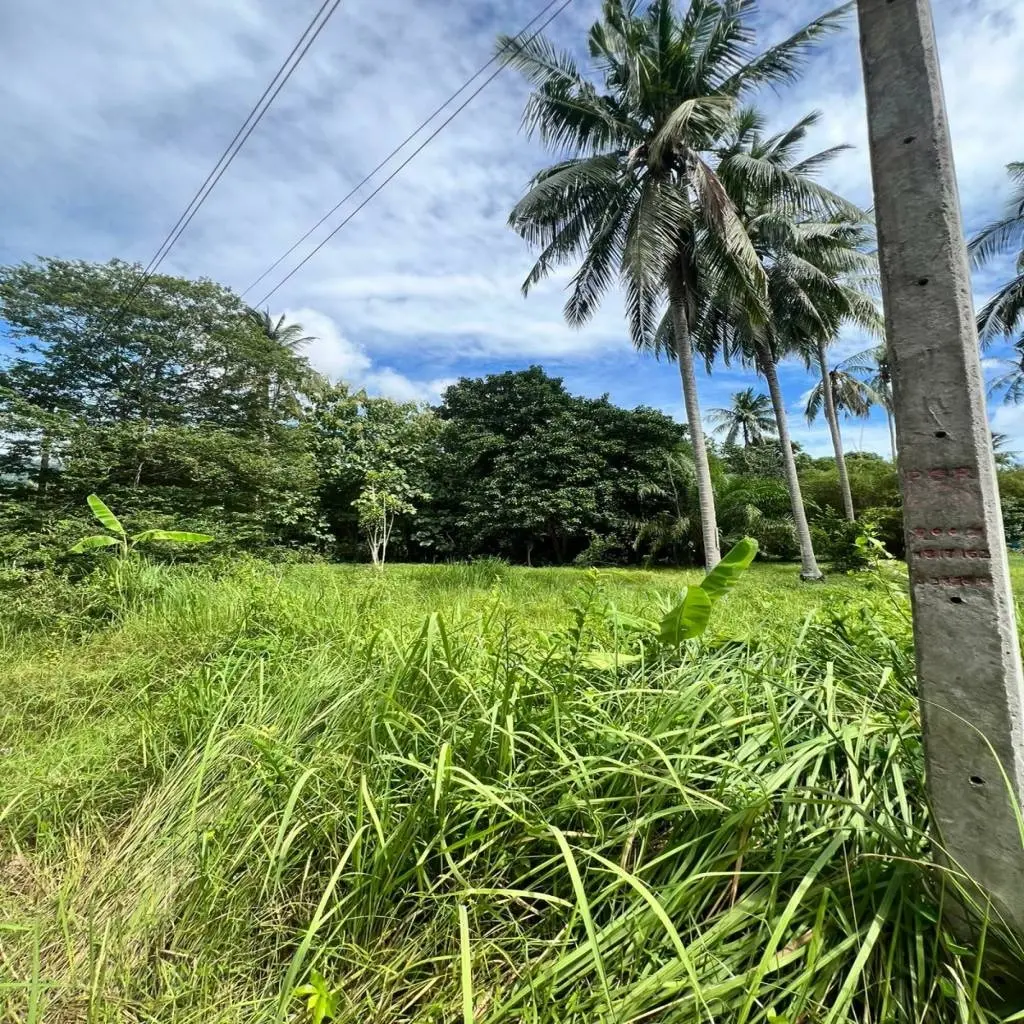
point(892, 433)
point(705, 490)
point(808, 565)
point(833, 429)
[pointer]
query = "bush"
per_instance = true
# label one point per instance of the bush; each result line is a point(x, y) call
point(854, 546)
point(601, 551)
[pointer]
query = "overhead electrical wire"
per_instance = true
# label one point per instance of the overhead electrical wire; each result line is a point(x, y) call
point(419, 149)
point(255, 115)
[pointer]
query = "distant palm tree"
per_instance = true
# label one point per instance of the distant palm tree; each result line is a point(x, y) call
point(635, 196)
point(875, 364)
point(750, 415)
point(1005, 457)
point(289, 336)
point(1003, 314)
point(285, 340)
point(850, 395)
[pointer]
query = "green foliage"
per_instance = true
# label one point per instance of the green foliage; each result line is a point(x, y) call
point(173, 401)
point(855, 546)
point(601, 551)
point(689, 617)
point(239, 436)
point(264, 772)
point(525, 470)
point(686, 619)
point(354, 435)
point(1013, 522)
point(124, 542)
point(873, 482)
point(379, 503)
point(321, 1002)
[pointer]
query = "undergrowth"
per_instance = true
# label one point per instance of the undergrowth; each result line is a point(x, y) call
point(411, 793)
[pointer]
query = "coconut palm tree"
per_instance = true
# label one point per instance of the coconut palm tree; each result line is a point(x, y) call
point(875, 364)
point(808, 241)
point(750, 415)
point(285, 341)
point(850, 395)
point(847, 394)
point(1003, 314)
point(1005, 457)
point(1011, 378)
point(636, 198)
point(289, 336)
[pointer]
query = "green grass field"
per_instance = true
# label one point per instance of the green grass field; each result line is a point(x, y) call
point(409, 792)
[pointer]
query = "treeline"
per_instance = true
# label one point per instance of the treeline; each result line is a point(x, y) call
point(182, 407)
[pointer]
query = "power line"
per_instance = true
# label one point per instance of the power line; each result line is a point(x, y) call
point(458, 110)
point(255, 115)
point(337, 206)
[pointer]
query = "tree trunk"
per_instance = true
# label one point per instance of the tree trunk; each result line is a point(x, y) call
point(892, 433)
point(969, 671)
point(705, 489)
point(44, 462)
point(833, 429)
point(808, 565)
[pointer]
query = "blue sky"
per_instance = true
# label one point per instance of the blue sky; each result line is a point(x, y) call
point(112, 114)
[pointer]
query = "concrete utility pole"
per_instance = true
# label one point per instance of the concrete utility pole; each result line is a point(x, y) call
point(968, 661)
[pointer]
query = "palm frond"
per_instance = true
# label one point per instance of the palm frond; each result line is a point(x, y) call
point(783, 63)
point(1003, 314)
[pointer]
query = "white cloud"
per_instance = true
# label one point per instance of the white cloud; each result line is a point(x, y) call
point(119, 109)
point(340, 359)
point(330, 351)
point(392, 384)
point(1009, 420)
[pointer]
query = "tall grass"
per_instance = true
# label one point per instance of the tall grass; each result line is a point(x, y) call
point(410, 783)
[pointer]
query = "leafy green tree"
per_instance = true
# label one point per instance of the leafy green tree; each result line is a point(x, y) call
point(157, 396)
point(90, 342)
point(526, 470)
point(355, 435)
point(380, 502)
point(749, 416)
point(636, 197)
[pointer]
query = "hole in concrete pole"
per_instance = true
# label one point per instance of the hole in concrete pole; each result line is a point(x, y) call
point(941, 433)
point(977, 780)
point(956, 600)
point(922, 281)
point(909, 139)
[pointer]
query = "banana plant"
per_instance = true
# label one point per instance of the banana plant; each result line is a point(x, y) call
point(689, 616)
point(120, 539)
